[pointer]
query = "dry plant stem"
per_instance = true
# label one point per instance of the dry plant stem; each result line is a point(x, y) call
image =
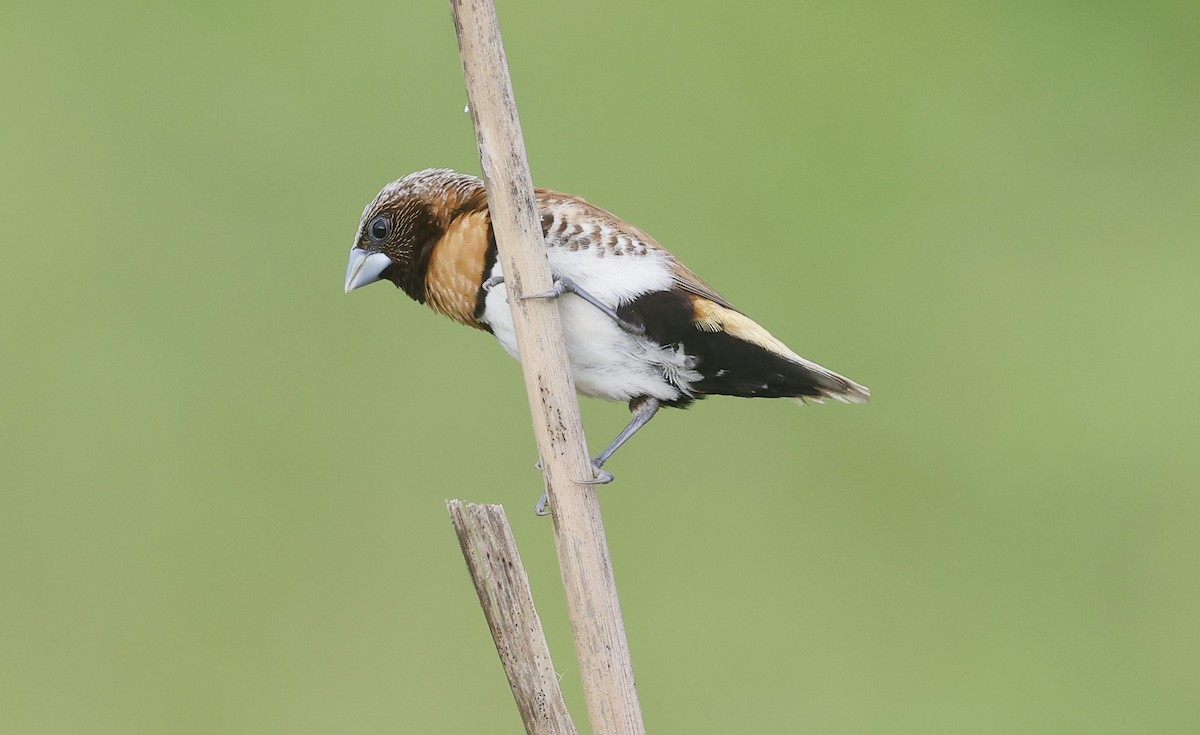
point(503, 587)
point(600, 643)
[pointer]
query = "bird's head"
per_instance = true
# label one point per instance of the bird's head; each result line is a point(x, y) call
point(399, 228)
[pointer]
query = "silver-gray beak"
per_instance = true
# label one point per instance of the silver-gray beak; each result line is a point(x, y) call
point(364, 268)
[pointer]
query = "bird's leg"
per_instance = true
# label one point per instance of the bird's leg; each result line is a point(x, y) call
point(566, 285)
point(491, 283)
point(643, 409)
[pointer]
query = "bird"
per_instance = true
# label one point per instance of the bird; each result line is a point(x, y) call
point(639, 326)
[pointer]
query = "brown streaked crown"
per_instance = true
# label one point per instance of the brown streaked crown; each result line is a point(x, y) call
point(413, 214)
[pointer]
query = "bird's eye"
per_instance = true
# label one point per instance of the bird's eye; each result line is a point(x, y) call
point(378, 229)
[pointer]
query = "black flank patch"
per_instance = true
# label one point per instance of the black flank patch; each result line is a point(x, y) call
point(730, 366)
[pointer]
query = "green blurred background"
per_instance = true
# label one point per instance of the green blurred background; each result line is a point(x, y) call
point(221, 479)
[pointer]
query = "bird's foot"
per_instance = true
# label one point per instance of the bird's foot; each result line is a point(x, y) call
point(602, 477)
point(491, 283)
point(560, 287)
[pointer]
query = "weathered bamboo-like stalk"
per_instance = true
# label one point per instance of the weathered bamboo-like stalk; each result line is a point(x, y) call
point(503, 587)
point(601, 647)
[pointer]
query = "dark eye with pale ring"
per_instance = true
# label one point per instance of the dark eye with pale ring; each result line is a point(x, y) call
point(378, 229)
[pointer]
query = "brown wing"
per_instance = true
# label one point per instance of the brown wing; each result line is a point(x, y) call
point(690, 282)
point(557, 209)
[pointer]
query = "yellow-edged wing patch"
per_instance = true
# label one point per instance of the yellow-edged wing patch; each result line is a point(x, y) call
point(712, 317)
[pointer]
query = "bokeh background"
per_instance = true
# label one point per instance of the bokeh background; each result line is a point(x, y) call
point(221, 479)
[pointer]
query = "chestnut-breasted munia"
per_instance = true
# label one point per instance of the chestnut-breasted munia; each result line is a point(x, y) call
point(639, 326)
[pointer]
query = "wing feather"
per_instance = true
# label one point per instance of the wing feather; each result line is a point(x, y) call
point(680, 308)
point(567, 220)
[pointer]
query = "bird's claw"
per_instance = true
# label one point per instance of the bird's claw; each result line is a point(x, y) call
point(602, 477)
point(491, 283)
point(559, 287)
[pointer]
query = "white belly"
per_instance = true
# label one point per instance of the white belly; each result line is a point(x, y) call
point(606, 361)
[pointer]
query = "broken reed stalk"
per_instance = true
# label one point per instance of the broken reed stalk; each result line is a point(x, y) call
point(601, 647)
point(503, 588)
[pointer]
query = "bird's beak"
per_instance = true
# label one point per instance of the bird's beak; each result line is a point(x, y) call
point(364, 268)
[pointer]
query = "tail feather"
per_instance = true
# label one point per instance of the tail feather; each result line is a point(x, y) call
point(830, 384)
point(774, 369)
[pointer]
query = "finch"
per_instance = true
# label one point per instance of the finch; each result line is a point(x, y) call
point(639, 326)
